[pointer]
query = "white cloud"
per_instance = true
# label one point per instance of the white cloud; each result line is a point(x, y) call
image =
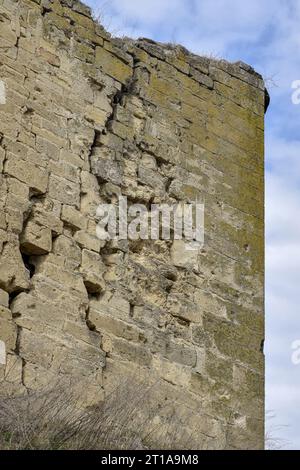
point(282, 209)
point(149, 11)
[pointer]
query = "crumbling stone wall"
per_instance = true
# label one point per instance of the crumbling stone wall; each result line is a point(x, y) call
point(85, 118)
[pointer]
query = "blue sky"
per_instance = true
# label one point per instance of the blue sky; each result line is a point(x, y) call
point(265, 34)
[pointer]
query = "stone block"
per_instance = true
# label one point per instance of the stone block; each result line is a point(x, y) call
point(92, 269)
point(113, 66)
point(34, 176)
point(64, 191)
point(131, 352)
point(106, 323)
point(47, 218)
point(37, 348)
point(107, 170)
point(73, 217)
point(36, 239)
point(32, 313)
point(182, 256)
point(88, 241)
point(80, 331)
point(152, 178)
point(67, 279)
point(173, 351)
point(4, 298)
point(171, 372)
point(180, 306)
point(68, 248)
point(8, 329)
point(112, 304)
point(13, 369)
point(13, 274)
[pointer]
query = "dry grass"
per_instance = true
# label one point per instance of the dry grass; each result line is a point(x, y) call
point(129, 418)
point(134, 415)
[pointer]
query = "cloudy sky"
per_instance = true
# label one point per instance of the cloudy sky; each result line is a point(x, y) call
point(265, 34)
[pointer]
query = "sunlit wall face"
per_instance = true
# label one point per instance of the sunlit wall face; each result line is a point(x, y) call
point(266, 35)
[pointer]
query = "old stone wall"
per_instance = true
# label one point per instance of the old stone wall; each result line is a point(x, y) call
point(85, 118)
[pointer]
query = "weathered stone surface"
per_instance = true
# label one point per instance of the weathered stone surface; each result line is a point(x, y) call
point(63, 190)
point(92, 268)
point(180, 306)
point(8, 329)
point(48, 217)
point(73, 217)
point(86, 240)
point(113, 305)
point(85, 119)
point(4, 298)
point(112, 66)
point(36, 239)
point(34, 176)
point(183, 256)
point(13, 273)
point(68, 248)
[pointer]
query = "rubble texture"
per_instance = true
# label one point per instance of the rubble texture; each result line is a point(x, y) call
point(84, 118)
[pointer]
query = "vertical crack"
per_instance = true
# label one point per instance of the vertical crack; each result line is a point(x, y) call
point(17, 352)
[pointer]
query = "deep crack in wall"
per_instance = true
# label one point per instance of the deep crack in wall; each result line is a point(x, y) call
point(85, 118)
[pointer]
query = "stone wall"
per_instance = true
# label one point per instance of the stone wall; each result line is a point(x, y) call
point(85, 118)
